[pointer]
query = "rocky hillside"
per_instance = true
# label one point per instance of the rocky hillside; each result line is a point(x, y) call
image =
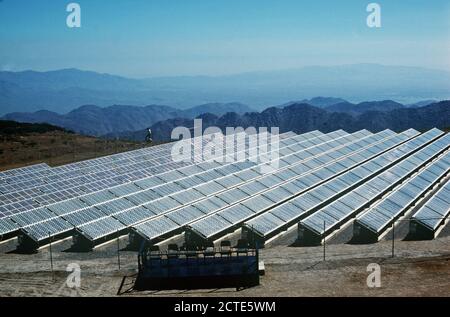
point(302, 117)
point(113, 120)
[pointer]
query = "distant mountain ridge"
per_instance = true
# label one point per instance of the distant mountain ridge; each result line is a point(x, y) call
point(320, 102)
point(131, 122)
point(355, 109)
point(303, 117)
point(63, 90)
point(98, 121)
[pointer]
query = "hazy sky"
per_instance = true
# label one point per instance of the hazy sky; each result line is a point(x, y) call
point(145, 38)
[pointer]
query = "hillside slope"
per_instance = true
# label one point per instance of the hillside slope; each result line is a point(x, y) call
point(24, 144)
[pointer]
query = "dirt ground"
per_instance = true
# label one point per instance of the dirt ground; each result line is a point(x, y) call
point(419, 268)
point(56, 148)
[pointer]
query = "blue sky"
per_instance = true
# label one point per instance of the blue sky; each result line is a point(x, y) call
point(146, 38)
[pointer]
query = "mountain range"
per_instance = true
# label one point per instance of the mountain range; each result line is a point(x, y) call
point(355, 109)
point(97, 121)
point(132, 122)
point(302, 117)
point(62, 91)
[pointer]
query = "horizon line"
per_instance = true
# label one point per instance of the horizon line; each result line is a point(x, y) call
point(147, 77)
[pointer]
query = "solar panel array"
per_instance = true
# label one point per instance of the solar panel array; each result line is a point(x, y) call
point(391, 207)
point(322, 178)
point(43, 187)
point(92, 176)
point(155, 185)
point(301, 183)
point(328, 219)
point(236, 190)
point(205, 183)
point(433, 213)
point(49, 216)
point(284, 215)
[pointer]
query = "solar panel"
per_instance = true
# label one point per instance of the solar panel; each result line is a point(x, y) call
point(277, 195)
point(334, 213)
point(83, 216)
point(99, 197)
point(347, 205)
point(287, 212)
point(210, 188)
point(67, 206)
point(84, 179)
point(187, 196)
point(394, 204)
point(256, 204)
point(233, 195)
point(46, 229)
point(210, 225)
point(264, 224)
point(236, 213)
point(115, 206)
point(157, 227)
point(435, 210)
point(125, 190)
point(143, 197)
point(185, 215)
point(134, 215)
point(202, 196)
point(7, 226)
point(101, 228)
point(88, 187)
point(162, 205)
point(40, 214)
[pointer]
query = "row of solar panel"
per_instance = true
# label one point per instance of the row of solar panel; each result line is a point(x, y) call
point(169, 176)
point(119, 158)
point(184, 188)
point(110, 224)
point(435, 210)
point(73, 169)
point(100, 170)
point(26, 196)
point(276, 194)
point(252, 183)
point(178, 217)
point(161, 181)
point(305, 201)
point(22, 170)
point(52, 193)
point(342, 209)
point(123, 166)
point(380, 216)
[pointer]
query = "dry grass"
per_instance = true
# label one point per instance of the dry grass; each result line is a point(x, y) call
point(56, 148)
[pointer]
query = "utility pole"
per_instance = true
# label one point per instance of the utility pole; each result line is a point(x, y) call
point(118, 249)
point(324, 244)
point(393, 239)
point(51, 257)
